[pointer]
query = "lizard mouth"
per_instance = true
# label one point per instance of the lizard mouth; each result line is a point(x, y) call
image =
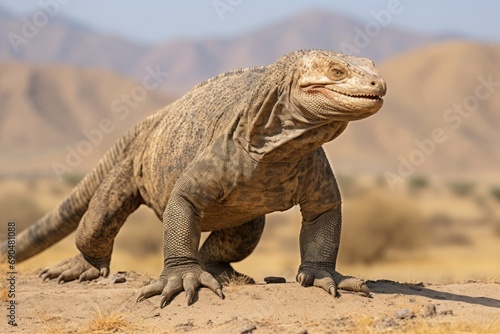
point(327, 91)
point(358, 96)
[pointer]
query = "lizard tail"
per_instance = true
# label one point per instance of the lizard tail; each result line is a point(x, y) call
point(64, 219)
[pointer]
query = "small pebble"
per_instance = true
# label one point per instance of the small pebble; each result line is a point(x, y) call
point(404, 313)
point(248, 329)
point(429, 310)
point(274, 280)
point(119, 279)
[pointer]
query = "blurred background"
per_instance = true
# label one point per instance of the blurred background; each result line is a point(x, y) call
point(420, 180)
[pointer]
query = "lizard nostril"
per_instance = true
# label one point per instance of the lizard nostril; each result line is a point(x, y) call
point(373, 83)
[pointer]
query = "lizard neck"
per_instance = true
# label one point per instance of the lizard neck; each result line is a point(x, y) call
point(276, 130)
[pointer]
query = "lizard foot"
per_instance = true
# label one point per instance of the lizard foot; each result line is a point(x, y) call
point(323, 276)
point(75, 268)
point(174, 280)
point(225, 273)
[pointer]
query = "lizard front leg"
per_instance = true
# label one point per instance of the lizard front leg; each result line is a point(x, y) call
point(319, 245)
point(182, 269)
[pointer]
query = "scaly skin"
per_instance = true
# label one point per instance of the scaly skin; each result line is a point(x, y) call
point(236, 147)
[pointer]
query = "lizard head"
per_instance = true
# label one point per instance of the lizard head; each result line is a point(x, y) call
point(331, 85)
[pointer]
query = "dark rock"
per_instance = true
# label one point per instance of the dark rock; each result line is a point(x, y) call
point(429, 310)
point(248, 329)
point(274, 280)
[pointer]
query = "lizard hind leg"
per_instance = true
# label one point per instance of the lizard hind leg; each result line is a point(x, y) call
point(229, 245)
point(115, 199)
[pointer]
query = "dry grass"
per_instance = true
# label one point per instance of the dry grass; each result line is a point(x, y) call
point(108, 323)
point(365, 324)
point(101, 324)
point(424, 327)
point(234, 283)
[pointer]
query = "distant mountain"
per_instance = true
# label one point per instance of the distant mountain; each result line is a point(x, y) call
point(44, 108)
point(191, 61)
point(64, 41)
point(426, 88)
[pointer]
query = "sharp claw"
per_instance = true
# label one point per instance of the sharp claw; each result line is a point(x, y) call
point(189, 296)
point(164, 302)
point(305, 278)
point(365, 290)
point(219, 293)
point(334, 292)
point(103, 272)
point(140, 298)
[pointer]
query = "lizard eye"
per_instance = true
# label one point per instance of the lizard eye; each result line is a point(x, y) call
point(337, 73)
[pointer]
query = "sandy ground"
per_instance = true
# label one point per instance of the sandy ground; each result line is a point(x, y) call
point(105, 307)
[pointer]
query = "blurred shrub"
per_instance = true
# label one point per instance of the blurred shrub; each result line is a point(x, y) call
point(19, 208)
point(444, 232)
point(495, 192)
point(350, 185)
point(346, 183)
point(461, 188)
point(375, 223)
point(418, 182)
point(72, 178)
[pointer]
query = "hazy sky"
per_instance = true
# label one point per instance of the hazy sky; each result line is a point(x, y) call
point(150, 21)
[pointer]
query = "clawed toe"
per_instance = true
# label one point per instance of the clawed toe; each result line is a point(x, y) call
point(76, 268)
point(324, 277)
point(150, 290)
point(350, 283)
point(173, 281)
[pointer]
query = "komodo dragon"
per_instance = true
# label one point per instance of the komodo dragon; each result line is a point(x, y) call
point(234, 148)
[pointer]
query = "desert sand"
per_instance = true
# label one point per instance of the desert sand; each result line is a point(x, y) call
point(105, 307)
